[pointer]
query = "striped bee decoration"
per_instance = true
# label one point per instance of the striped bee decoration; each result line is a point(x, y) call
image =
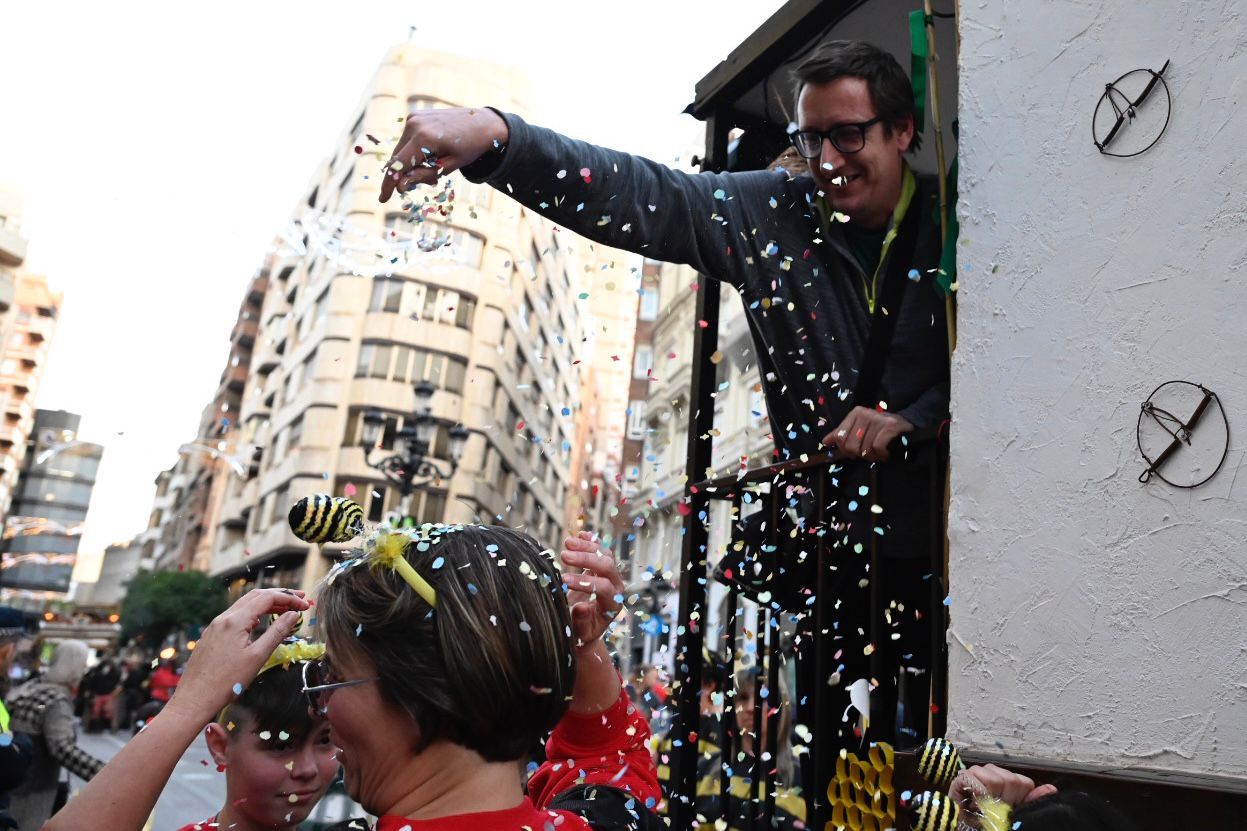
point(321, 518)
point(935, 812)
point(939, 762)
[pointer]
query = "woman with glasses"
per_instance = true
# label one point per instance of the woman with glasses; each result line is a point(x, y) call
point(449, 652)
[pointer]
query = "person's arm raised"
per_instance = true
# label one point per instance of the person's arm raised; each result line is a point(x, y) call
point(595, 595)
point(718, 223)
point(122, 795)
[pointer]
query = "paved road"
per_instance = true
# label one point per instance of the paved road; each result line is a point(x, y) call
point(195, 792)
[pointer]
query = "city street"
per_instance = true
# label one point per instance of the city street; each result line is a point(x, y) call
point(195, 792)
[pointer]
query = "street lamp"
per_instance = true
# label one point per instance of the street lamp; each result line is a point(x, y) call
point(411, 468)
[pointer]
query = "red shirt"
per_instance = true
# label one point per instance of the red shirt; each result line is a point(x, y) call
point(162, 684)
point(605, 749)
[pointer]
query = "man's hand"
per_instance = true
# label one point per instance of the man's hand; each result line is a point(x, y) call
point(866, 433)
point(435, 142)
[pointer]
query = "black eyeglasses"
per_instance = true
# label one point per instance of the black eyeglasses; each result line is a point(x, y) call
point(847, 138)
point(318, 680)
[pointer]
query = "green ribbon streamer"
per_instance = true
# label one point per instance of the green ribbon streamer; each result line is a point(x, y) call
point(918, 65)
point(947, 274)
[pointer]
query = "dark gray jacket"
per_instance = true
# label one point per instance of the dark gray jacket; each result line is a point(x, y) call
point(760, 232)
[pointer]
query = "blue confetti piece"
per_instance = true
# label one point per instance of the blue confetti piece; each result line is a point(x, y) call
point(6, 739)
point(914, 275)
point(439, 562)
point(237, 689)
point(720, 194)
point(471, 588)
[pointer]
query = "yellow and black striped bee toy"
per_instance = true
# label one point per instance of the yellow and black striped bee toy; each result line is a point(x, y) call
point(321, 518)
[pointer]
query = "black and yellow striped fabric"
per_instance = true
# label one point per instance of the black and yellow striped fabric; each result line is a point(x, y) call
point(321, 518)
point(935, 812)
point(939, 762)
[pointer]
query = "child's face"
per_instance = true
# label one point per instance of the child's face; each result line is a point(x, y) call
point(276, 781)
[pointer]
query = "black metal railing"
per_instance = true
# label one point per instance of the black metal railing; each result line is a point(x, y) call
point(787, 565)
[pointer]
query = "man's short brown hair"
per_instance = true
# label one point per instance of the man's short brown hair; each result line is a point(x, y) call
point(891, 92)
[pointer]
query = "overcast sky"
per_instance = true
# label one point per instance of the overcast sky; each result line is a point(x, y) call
point(160, 146)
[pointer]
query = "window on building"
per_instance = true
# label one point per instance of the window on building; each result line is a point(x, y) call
point(381, 360)
point(471, 192)
point(456, 371)
point(466, 247)
point(636, 418)
point(431, 507)
point(642, 360)
point(423, 102)
point(295, 435)
point(387, 295)
point(465, 312)
point(649, 303)
point(366, 353)
point(277, 505)
point(293, 383)
point(354, 427)
point(309, 367)
point(376, 503)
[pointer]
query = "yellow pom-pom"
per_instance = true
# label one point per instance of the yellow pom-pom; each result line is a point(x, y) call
point(386, 548)
point(935, 812)
point(994, 814)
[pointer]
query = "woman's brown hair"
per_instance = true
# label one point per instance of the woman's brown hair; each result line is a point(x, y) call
point(490, 668)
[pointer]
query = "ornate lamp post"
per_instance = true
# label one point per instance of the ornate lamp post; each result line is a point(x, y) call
point(411, 468)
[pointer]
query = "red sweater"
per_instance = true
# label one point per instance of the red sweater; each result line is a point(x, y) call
point(606, 749)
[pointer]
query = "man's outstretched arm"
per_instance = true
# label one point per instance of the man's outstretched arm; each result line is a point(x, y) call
point(717, 223)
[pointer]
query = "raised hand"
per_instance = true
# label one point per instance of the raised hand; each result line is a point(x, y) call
point(435, 142)
point(595, 589)
point(226, 659)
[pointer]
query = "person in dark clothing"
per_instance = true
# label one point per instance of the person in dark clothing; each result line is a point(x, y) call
point(809, 255)
point(133, 676)
point(101, 684)
point(16, 749)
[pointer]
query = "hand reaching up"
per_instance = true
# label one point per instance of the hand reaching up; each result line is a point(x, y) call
point(595, 589)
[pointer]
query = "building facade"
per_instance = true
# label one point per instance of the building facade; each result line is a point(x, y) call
point(477, 297)
point(45, 518)
point(658, 429)
point(182, 528)
point(28, 313)
point(613, 283)
point(121, 563)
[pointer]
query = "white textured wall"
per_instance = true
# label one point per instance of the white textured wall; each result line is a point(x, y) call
point(1107, 619)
